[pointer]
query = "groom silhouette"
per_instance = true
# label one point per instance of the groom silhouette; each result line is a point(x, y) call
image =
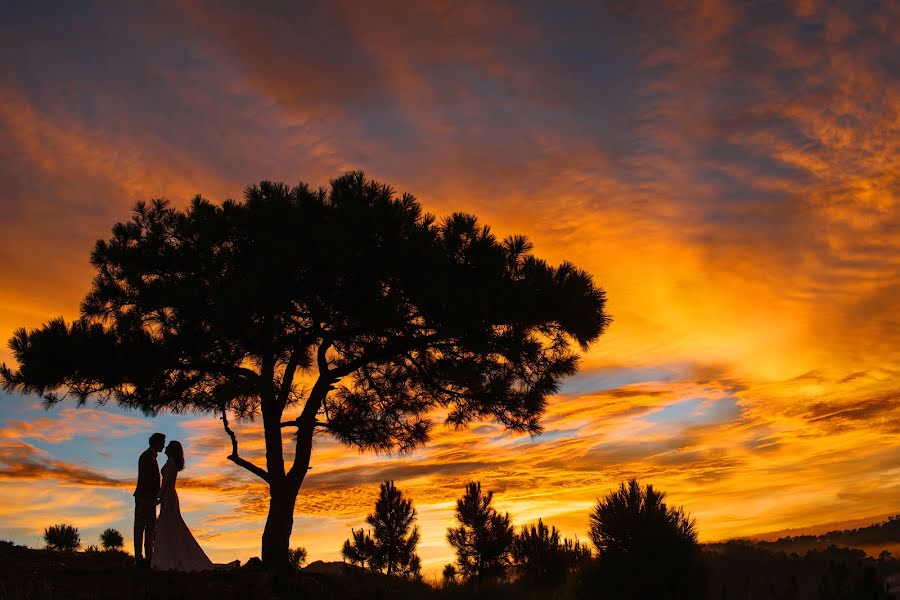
point(145, 498)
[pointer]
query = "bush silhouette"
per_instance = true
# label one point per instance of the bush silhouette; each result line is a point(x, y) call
point(297, 557)
point(388, 311)
point(111, 539)
point(645, 548)
point(484, 537)
point(542, 557)
point(448, 575)
point(62, 537)
point(391, 547)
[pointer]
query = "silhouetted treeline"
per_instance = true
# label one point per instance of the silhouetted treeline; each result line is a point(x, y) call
point(643, 548)
point(744, 570)
point(886, 532)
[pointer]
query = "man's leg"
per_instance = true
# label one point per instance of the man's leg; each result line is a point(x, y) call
point(150, 538)
point(138, 532)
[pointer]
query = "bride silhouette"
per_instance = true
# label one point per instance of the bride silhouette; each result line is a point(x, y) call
point(175, 548)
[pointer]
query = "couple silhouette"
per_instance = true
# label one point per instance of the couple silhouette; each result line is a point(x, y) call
point(167, 542)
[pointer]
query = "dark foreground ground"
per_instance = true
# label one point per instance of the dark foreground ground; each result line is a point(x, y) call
point(734, 571)
point(44, 575)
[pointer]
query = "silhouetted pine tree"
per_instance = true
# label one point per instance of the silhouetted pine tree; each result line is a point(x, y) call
point(392, 545)
point(393, 313)
point(645, 548)
point(484, 537)
point(359, 549)
point(537, 553)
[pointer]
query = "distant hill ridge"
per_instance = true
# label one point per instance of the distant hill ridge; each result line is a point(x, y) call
point(884, 533)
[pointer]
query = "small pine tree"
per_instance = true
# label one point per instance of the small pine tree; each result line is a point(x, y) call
point(297, 557)
point(111, 539)
point(62, 537)
point(359, 551)
point(391, 547)
point(484, 537)
point(449, 574)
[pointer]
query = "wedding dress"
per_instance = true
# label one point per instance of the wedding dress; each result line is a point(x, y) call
point(175, 547)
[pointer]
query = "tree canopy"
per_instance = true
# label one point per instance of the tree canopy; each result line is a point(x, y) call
point(390, 312)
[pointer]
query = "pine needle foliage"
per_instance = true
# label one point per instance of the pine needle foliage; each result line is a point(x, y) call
point(390, 547)
point(483, 540)
point(637, 533)
point(111, 539)
point(62, 537)
point(542, 557)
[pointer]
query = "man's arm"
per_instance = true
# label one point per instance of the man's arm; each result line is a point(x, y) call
point(145, 466)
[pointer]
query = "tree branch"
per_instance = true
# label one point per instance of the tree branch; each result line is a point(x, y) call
point(287, 379)
point(296, 423)
point(424, 373)
point(233, 457)
point(306, 422)
point(322, 355)
point(250, 374)
point(394, 348)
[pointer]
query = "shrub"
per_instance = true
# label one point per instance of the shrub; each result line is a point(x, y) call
point(449, 574)
point(542, 557)
point(111, 539)
point(62, 537)
point(646, 549)
point(297, 556)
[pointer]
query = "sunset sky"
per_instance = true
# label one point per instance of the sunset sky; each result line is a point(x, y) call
point(728, 172)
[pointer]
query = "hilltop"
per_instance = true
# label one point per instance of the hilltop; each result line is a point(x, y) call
point(873, 539)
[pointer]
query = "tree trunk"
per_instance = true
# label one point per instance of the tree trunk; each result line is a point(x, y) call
point(284, 487)
point(276, 537)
